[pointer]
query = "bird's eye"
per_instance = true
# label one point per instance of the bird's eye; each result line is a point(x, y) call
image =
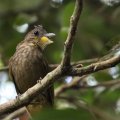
point(36, 33)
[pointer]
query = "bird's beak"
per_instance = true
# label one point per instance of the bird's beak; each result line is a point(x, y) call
point(49, 35)
point(50, 41)
point(46, 38)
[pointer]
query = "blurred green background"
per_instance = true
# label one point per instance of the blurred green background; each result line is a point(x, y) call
point(98, 31)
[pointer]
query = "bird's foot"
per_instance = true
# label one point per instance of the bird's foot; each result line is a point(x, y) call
point(18, 96)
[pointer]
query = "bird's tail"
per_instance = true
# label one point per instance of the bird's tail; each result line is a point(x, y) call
point(45, 99)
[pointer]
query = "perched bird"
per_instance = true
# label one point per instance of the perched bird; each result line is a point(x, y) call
point(28, 65)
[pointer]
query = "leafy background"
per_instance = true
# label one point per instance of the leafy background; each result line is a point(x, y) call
point(98, 31)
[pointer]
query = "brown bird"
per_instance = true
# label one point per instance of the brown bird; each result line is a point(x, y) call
point(28, 65)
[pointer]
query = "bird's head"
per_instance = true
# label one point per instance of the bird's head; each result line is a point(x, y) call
point(40, 36)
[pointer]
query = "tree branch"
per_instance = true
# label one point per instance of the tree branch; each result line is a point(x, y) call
point(15, 114)
point(70, 38)
point(4, 69)
point(95, 67)
point(75, 84)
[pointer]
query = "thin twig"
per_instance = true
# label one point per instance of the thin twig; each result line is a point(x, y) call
point(86, 61)
point(78, 63)
point(111, 62)
point(75, 85)
point(103, 84)
point(92, 109)
point(64, 87)
point(4, 69)
point(15, 114)
point(72, 31)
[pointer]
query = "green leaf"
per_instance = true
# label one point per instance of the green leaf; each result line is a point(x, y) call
point(66, 13)
point(65, 114)
point(103, 76)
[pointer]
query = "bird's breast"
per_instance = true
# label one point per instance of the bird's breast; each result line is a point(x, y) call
point(28, 66)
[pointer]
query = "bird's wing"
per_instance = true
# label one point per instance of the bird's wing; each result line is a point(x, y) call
point(12, 77)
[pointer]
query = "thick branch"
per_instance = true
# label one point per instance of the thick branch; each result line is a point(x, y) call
point(70, 38)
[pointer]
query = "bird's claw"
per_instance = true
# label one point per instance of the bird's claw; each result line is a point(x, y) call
point(39, 81)
point(17, 97)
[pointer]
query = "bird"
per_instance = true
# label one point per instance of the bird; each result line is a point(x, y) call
point(28, 65)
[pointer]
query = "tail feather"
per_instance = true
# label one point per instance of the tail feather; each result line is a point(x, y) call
point(45, 99)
